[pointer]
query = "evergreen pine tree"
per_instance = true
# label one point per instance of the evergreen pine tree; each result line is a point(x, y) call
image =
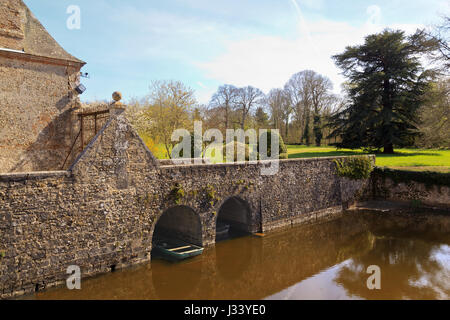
point(386, 87)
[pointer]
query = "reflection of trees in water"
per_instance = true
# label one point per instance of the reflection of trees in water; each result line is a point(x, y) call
point(254, 268)
point(406, 248)
point(428, 226)
point(404, 264)
point(133, 283)
point(356, 245)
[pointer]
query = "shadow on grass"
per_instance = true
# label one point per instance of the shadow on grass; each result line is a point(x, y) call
point(403, 154)
point(352, 153)
point(324, 154)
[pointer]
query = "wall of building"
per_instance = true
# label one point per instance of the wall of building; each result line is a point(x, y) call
point(102, 212)
point(37, 120)
point(37, 96)
point(12, 24)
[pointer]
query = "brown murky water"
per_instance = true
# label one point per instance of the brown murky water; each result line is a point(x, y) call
point(322, 261)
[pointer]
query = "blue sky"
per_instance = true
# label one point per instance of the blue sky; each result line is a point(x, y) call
point(205, 43)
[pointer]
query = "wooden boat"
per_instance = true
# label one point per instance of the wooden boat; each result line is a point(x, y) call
point(222, 230)
point(176, 250)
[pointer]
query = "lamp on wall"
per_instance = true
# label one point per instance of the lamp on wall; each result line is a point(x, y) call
point(80, 89)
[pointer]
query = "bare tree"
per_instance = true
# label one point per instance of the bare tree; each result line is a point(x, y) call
point(434, 114)
point(308, 92)
point(280, 109)
point(294, 91)
point(225, 99)
point(247, 99)
point(442, 35)
point(320, 87)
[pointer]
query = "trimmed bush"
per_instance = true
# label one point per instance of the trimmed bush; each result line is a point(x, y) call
point(282, 149)
point(236, 150)
point(354, 168)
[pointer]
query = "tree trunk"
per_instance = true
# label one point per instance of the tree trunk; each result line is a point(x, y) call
point(388, 148)
point(287, 129)
point(387, 118)
point(226, 118)
point(244, 115)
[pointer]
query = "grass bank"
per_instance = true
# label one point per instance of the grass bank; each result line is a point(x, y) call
point(405, 159)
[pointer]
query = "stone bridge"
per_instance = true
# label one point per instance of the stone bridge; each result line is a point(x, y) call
point(101, 214)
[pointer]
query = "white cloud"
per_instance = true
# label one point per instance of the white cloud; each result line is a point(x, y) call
point(312, 4)
point(269, 61)
point(204, 95)
point(200, 84)
point(234, 43)
point(153, 33)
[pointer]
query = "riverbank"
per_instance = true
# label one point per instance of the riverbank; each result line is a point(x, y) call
point(418, 189)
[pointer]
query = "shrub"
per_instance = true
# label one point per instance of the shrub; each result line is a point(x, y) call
point(282, 149)
point(156, 148)
point(354, 168)
point(236, 150)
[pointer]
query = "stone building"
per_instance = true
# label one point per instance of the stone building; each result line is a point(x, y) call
point(38, 100)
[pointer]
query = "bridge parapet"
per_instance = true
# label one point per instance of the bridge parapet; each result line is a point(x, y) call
point(101, 213)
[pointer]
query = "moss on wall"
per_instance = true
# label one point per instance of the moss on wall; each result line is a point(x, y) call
point(177, 193)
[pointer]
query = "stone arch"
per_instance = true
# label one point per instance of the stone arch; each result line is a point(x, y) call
point(236, 213)
point(180, 222)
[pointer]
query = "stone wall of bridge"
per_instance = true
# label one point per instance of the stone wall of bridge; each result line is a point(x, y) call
point(101, 214)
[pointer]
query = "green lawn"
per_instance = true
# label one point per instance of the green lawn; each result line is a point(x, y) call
point(409, 159)
point(405, 159)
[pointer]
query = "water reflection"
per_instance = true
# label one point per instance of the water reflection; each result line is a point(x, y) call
point(321, 261)
point(410, 269)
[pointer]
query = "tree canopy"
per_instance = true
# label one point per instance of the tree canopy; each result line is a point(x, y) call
point(386, 86)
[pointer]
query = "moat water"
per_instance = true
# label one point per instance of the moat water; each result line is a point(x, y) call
point(327, 260)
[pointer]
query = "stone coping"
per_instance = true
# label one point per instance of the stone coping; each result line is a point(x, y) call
point(21, 176)
point(163, 164)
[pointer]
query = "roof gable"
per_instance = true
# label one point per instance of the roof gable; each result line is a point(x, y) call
point(21, 30)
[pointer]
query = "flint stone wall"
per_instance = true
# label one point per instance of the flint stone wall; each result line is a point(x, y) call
point(101, 213)
point(428, 195)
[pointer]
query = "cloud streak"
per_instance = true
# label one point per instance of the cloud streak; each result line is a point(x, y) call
point(268, 61)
